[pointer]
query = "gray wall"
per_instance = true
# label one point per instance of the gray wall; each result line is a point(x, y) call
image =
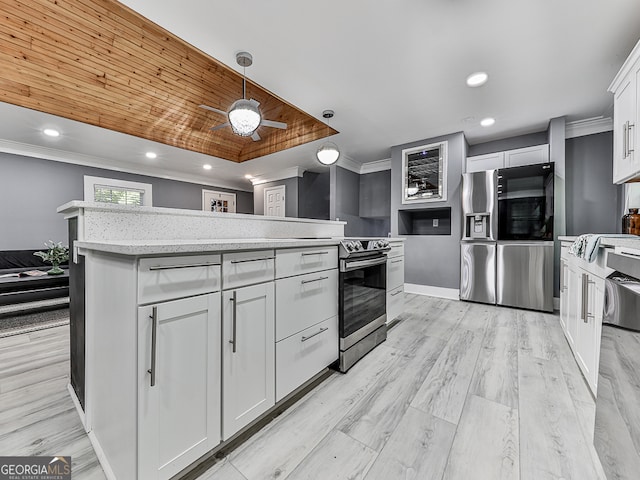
point(432, 260)
point(32, 189)
point(521, 141)
point(591, 197)
point(290, 196)
point(314, 195)
point(375, 194)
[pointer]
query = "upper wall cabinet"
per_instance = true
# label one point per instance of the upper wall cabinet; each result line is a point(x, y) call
point(626, 115)
point(510, 158)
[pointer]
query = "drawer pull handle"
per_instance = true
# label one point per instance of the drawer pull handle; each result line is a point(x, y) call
point(154, 334)
point(632, 254)
point(397, 261)
point(397, 293)
point(190, 265)
point(313, 280)
point(252, 260)
point(314, 253)
point(323, 329)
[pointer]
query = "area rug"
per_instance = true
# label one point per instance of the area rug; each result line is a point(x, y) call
point(32, 321)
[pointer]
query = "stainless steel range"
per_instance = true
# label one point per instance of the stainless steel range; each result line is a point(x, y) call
point(362, 298)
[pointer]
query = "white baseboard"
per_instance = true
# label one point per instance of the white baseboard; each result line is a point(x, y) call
point(76, 403)
point(102, 458)
point(450, 293)
point(556, 303)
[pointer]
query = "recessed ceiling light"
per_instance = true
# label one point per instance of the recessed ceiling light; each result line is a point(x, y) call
point(476, 79)
point(206, 166)
point(487, 122)
point(248, 177)
point(50, 132)
point(151, 155)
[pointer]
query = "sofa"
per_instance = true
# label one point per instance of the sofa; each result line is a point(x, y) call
point(23, 289)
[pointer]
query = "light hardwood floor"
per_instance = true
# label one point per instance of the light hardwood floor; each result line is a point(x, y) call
point(459, 391)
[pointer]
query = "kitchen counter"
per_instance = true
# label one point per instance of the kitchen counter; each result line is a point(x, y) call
point(631, 242)
point(178, 247)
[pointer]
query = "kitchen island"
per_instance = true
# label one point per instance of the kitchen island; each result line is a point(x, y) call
point(190, 335)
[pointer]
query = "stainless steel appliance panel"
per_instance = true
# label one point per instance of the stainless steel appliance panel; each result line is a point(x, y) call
point(617, 425)
point(478, 272)
point(524, 275)
point(479, 196)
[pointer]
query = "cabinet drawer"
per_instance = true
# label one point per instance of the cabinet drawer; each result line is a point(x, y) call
point(296, 261)
point(247, 268)
point(305, 300)
point(395, 303)
point(301, 356)
point(395, 273)
point(167, 278)
point(397, 250)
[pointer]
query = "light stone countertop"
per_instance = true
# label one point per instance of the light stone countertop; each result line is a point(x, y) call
point(631, 242)
point(178, 247)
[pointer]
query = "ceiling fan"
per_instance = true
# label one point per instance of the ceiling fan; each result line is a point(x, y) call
point(244, 116)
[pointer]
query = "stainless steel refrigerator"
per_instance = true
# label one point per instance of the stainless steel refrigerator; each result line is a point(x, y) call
point(506, 251)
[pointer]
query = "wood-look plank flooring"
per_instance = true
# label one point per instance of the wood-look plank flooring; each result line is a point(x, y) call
point(458, 391)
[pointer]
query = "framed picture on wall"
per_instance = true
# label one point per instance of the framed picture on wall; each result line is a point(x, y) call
point(424, 173)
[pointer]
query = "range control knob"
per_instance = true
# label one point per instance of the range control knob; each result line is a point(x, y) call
point(357, 245)
point(349, 246)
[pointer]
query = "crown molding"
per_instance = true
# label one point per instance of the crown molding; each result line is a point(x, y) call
point(588, 126)
point(279, 175)
point(46, 153)
point(376, 166)
point(349, 164)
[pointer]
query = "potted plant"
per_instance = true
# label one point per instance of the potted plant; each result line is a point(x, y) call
point(55, 255)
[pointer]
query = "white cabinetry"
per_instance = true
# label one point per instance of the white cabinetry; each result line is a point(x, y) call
point(395, 279)
point(306, 315)
point(509, 158)
point(179, 383)
point(248, 323)
point(626, 116)
point(581, 309)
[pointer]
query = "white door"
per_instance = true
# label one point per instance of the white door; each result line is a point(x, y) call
point(179, 415)
point(218, 201)
point(248, 355)
point(274, 201)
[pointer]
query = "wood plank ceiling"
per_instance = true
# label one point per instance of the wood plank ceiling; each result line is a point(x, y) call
point(99, 62)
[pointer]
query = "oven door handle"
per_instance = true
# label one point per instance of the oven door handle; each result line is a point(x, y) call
point(355, 264)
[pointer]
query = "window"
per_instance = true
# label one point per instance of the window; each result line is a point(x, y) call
point(110, 190)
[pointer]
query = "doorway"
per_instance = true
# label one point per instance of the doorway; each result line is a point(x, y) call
point(274, 205)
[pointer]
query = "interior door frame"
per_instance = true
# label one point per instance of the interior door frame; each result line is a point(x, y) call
point(270, 189)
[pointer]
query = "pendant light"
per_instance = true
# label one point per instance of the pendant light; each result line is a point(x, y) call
point(244, 115)
point(328, 152)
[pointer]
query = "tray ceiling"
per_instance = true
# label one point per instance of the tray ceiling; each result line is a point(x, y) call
point(101, 63)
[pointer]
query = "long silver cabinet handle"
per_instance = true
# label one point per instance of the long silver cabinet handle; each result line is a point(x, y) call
point(234, 312)
point(252, 260)
point(154, 335)
point(629, 137)
point(632, 254)
point(191, 265)
point(397, 293)
point(397, 261)
point(313, 280)
point(323, 329)
point(305, 254)
point(625, 139)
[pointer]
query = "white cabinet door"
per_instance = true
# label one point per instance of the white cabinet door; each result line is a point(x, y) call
point(178, 384)
point(395, 273)
point(574, 286)
point(564, 294)
point(624, 117)
point(527, 156)
point(395, 303)
point(590, 317)
point(480, 163)
point(248, 355)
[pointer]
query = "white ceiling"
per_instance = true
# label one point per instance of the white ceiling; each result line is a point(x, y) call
point(393, 70)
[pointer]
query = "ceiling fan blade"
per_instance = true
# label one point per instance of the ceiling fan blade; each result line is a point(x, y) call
point(218, 127)
point(271, 123)
point(255, 137)
point(207, 107)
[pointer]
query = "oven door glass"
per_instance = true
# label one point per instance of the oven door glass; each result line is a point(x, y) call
point(525, 203)
point(363, 299)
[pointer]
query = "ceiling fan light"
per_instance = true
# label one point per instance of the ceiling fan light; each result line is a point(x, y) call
point(328, 153)
point(244, 118)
